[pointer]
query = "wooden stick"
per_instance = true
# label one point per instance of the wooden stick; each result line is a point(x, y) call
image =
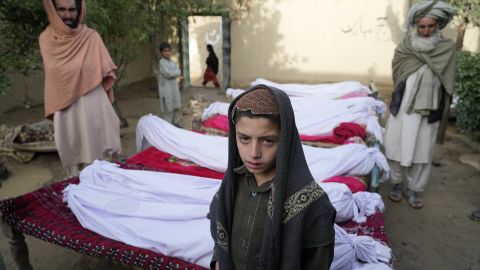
point(18, 246)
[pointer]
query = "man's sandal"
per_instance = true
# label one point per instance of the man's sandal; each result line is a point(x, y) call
point(413, 199)
point(396, 194)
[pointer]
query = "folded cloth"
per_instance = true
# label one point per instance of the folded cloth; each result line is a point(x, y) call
point(217, 122)
point(354, 183)
point(154, 159)
point(341, 134)
point(347, 130)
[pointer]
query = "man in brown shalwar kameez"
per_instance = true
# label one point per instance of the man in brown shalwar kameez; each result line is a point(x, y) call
point(79, 78)
point(424, 68)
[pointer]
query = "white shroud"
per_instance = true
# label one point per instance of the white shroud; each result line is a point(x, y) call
point(317, 117)
point(212, 151)
point(167, 213)
point(352, 206)
point(162, 212)
point(350, 249)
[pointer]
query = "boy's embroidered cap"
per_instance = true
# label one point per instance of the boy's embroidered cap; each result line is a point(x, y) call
point(258, 101)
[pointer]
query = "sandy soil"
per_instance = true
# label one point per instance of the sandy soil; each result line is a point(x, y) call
point(439, 236)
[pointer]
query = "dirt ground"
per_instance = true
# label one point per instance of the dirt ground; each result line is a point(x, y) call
point(439, 236)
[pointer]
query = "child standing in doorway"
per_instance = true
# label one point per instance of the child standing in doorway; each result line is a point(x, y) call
point(168, 92)
point(269, 213)
point(212, 68)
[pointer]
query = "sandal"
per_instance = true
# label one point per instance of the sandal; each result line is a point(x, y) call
point(396, 194)
point(475, 215)
point(413, 199)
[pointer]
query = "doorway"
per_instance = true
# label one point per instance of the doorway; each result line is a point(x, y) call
point(196, 32)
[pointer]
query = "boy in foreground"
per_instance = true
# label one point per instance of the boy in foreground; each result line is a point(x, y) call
point(269, 212)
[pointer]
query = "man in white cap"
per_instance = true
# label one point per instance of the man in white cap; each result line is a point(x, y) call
point(424, 67)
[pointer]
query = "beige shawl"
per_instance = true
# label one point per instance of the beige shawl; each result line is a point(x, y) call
point(75, 61)
point(442, 60)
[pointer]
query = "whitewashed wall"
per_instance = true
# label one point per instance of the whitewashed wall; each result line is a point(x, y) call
point(321, 41)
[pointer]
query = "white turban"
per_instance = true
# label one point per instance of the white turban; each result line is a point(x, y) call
point(438, 10)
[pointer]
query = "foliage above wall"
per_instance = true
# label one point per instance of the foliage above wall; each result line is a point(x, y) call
point(123, 25)
point(469, 9)
point(467, 88)
point(467, 85)
point(469, 12)
point(20, 25)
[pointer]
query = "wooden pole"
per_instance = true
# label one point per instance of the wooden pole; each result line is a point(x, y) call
point(442, 129)
point(18, 246)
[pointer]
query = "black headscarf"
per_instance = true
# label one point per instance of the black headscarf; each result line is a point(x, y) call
point(212, 60)
point(300, 214)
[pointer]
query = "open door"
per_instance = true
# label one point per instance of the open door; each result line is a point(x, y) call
point(196, 32)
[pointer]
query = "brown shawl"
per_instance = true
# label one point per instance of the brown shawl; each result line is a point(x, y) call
point(75, 61)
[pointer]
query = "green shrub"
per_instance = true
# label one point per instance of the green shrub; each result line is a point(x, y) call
point(467, 87)
point(4, 84)
point(20, 24)
point(123, 24)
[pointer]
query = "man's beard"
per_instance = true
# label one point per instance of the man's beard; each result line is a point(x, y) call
point(425, 44)
point(73, 24)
